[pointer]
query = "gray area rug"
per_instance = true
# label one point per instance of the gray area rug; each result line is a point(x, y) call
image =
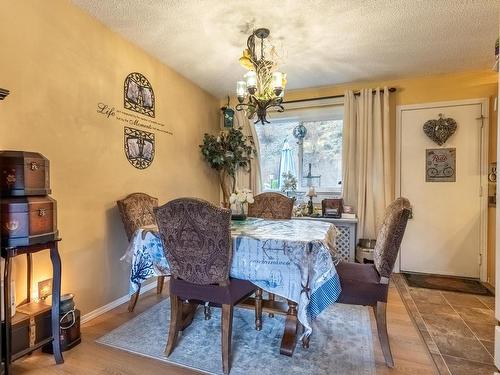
point(341, 342)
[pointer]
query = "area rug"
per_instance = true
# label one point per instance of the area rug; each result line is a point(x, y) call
point(450, 284)
point(341, 342)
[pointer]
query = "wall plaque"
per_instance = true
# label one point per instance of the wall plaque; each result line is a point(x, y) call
point(440, 164)
point(138, 95)
point(139, 147)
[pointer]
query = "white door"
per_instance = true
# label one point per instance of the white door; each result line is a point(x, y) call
point(446, 233)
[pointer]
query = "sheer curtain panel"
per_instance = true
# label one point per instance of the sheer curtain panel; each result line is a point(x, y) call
point(366, 157)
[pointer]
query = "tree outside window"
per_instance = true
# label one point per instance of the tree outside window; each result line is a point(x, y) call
point(321, 147)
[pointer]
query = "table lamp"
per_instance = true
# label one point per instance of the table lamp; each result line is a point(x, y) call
point(311, 193)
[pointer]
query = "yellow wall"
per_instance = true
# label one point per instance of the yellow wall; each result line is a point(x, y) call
point(59, 63)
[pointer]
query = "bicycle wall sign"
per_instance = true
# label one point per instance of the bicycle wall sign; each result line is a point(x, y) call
point(440, 164)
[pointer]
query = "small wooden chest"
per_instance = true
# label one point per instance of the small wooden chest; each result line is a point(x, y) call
point(30, 326)
point(23, 173)
point(28, 220)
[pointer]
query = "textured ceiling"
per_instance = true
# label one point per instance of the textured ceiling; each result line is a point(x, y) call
point(322, 42)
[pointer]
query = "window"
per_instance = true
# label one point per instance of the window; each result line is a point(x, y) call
point(320, 151)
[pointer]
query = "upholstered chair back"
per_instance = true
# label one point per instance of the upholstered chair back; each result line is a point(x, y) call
point(196, 238)
point(390, 236)
point(136, 210)
point(271, 206)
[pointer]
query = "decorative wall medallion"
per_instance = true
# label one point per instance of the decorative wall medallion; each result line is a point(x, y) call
point(440, 164)
point(441, 129)
point(139, 147)
point(138, 95)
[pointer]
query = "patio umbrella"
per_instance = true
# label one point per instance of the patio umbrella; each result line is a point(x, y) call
point(287, 162)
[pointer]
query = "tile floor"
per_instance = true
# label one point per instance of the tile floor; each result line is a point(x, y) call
point(457, 328)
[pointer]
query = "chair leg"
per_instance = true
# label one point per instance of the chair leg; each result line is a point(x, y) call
point(227, 328)
point(207, 311)
point(258, 309)
point(133, 300)
point(271, 298)
point(380, 310)
point(159, 284)
point(175, 323)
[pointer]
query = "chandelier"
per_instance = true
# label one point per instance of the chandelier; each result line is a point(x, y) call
point(263, 86)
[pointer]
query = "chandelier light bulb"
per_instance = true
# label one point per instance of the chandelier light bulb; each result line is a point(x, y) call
point(251, 78)
point(241, 90)
point(277, 80)
point(277, 83)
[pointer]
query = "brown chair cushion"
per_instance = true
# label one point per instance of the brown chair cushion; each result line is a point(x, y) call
point(271, 206)
point(231, 294)
point(360, 284)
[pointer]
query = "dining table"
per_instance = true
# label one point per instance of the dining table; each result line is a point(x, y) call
point(292, 259)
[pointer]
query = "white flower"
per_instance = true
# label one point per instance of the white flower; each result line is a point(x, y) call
point(232, 198)
point(250, 200)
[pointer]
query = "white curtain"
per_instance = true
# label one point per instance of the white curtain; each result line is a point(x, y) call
point(366, 157)
point(248, 179)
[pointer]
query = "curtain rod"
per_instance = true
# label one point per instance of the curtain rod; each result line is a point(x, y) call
point(356, 93)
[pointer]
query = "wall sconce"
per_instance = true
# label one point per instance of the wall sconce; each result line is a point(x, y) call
point(3, 93)
point(44, 289)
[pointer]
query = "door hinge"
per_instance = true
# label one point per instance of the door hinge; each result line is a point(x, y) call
point(480, 259)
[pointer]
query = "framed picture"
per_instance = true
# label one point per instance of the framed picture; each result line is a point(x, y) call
point(440, 165)
point(332, 207)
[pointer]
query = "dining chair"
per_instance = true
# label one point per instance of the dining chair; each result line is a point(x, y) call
point(197, 242)
point(368, 284)
point(136, 211)
point(271, 205)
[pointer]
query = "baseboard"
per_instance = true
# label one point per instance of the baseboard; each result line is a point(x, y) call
point(110, 306)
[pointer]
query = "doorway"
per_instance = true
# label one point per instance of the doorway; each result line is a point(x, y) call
point(447, 187)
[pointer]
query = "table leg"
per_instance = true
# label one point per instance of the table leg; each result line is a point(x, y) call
point(56, 299)
point(7, 313)
point(305, 341)
point(258, 309)
point(291, 329)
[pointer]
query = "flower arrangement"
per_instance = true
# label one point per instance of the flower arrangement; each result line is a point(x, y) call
point(239, 199)
point(242, 196)
point(226, 153)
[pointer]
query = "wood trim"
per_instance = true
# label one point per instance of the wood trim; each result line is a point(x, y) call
point(110, 306)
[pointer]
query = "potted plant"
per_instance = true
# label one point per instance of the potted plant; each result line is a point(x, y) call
point(226, 153)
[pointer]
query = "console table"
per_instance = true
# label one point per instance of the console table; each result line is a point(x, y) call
point(346, 235)
point(8, 253)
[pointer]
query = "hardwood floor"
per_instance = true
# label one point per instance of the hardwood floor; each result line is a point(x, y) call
point(410, 354)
